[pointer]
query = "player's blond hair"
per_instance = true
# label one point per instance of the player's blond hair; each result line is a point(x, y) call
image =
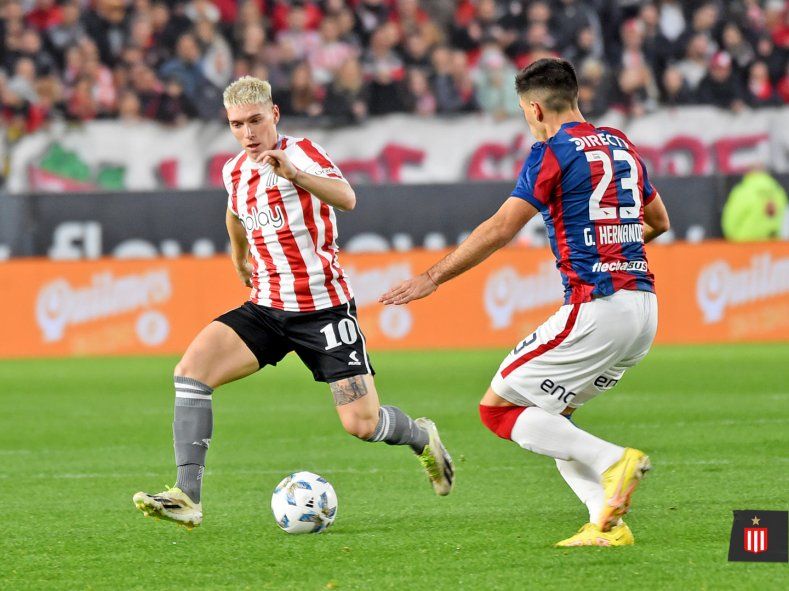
point(247, 90)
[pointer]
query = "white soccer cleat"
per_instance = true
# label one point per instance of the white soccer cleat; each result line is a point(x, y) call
point(435, 459)
point(172, 505)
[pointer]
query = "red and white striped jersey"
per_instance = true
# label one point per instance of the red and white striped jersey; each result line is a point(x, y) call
point(291, 233)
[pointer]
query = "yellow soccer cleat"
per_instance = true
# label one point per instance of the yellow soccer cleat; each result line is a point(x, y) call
point(172, 505)
point(591, 535)
point(620, 482)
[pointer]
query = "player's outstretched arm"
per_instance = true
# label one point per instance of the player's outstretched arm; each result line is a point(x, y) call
point(239, 247)
point(486, 239)
point(656, 220)
point(335, 192)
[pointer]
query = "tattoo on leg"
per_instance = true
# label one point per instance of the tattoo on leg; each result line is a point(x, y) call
point(347, 390)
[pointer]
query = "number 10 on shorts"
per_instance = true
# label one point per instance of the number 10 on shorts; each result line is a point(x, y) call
point(346, 329)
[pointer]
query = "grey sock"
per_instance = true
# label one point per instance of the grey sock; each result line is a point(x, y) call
point(397, 428)
point(193, 425)
point(190, 480)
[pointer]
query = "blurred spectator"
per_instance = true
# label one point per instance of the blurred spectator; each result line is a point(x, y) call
point(783, 86)
point(202, 10)
point(148, 88)
point(102, 86)
point(284, 14)
point(494, 88)
point(167, 27)
point(775, 58)
point(569, 18)
point(676, 91)
point(537, 41)
point(31, 47)
point(50, 93)
point(385, 72)
point(735, 44)
point(370, 15)
point(464, 84)
point(655, 45)
point(303, 97)
point(23, 83)
point(485, 25)
point(586, 46)
point(447, 96)
point(755, 209)
point(44, 15)
point(594, 83)
point(409, 17)
point(185, 66)
point(776, 20)
point(18, 115)
point(423, 101)
point(106, 25)
point(129, 107)
point(217, 58)
point(759, 89)
point(672, 19)
point(174, 106)
point(694, 67)
point(705, 23)
point(81, 105)
point(416, 51)
point(343, 60)
point(326, 58)
point(721, 87)
point(346, 99)
point(297, 33)
point(252, 41)
point(637, 90)
point(346, 21)
point(636, 80)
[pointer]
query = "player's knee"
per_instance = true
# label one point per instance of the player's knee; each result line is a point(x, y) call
point(361, 427)
point(500, 419)
point(187, 368)
point(180, 368)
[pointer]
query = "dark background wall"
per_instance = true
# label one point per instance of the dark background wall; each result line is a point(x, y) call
point(388, 216)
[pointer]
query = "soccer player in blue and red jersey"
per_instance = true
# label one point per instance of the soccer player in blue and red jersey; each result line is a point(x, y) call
point(592, 189)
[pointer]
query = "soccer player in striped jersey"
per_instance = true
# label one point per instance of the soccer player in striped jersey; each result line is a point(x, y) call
point(592, 189)
point(282, 193)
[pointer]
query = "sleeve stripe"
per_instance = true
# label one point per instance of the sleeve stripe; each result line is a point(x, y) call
point(315, 155)
point(235, 177)
point(546, 177)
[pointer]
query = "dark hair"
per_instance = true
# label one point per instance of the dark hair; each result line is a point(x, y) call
point(555, 78)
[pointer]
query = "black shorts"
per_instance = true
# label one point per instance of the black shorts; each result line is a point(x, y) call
point(328, 341)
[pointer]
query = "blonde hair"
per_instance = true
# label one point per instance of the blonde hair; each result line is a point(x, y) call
point(247, 90)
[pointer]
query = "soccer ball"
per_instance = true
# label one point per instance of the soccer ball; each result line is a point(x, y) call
point(304, 503)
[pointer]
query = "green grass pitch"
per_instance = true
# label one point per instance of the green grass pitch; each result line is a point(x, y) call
point(79, 437)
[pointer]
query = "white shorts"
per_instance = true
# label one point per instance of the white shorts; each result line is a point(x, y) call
point(579, 352)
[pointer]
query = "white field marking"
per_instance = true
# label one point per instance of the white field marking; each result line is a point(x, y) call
point(208, 473)
point(322, 471)
point(723, 422)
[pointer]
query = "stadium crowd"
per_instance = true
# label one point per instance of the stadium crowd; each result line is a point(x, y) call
point(341, 61)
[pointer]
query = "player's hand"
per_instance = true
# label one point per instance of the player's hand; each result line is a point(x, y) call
point(245, 272)
point(280, 163)
point(412, 289)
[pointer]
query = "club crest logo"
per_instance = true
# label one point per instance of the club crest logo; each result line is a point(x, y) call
point(759, 536)
point(755, 538)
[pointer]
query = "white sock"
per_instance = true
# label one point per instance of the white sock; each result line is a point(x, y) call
point(585, 484)
point(553, 435)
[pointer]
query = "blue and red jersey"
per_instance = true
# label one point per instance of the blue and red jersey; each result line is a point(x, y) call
point(591, 186)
